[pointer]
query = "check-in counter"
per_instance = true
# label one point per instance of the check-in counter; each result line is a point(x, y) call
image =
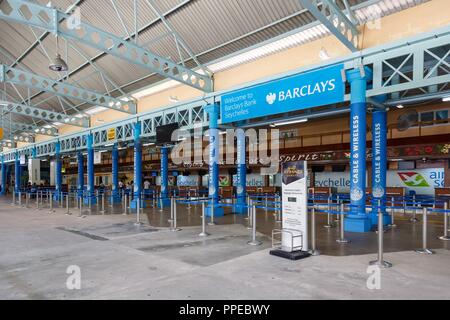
point(321, 192)
point(442, 194)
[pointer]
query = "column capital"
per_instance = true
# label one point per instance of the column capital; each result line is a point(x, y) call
point(356, 74)
point(212, 108)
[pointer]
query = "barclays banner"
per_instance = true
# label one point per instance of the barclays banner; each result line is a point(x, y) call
point(302, 91)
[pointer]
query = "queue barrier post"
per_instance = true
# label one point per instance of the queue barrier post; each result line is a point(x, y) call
point(102, 211)
point(414, 218)
point(51, 203)
point(138, 211)
point(203, 233)
point(254, 242)
point(392, 224)
point(380, 261)
point(424, 249)
point(125, 211)
point(329, 225)
point(313, 251)
point(211, 222)
point(445, 237)
point(342, 239)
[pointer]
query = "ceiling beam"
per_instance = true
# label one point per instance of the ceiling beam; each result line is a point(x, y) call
point(29, 128)
point(62, 89)
point(43, 114)
point(48, 19)
point(332, 17)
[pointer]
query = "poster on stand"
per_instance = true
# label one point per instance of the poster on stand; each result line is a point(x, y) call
point(295, 206)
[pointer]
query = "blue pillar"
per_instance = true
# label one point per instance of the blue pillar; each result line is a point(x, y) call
point(80, 187)
point(115, 195)
point(164, 178)
point(241, 186)
point(58, 172)
point(379, 164)
point(3, 168)
point(137, 167)
point(213, 111)
point(358, 220)
point(90, 172)
point(17, 173)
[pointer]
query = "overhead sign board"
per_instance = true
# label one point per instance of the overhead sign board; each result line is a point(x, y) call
point(111, 134)
point(302, 91)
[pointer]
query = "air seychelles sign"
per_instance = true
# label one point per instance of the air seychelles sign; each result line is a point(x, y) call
point(306, 90)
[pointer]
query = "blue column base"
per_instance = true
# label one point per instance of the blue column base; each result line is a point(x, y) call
point(133, 204)
point(240, 209)
point(218, 211)
point(93, 201)
point(358, 224)
point(165, 203)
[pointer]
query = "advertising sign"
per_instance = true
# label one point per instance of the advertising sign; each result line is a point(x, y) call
point(253, 180)
point(23, 160)
point(422, 181)
point(295, 206)
point(302, 91)
point(111, 134)
point(188, 181)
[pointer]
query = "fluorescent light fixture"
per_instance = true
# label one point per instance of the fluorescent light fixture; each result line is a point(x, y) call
point(149, 144)
point(96, 110)
point(279, 124)
point(400, 106)
point(446, 99)
point(100, 121)
point(109, 145)
point(157, 88)
point(323, 54)
point(58, 124)
point(173, 99)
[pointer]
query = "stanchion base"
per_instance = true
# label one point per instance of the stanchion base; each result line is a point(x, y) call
point(392, 225)
point(383, 264)
point(296, 255)
point(342, 241)
point(414, 220)
point(254, 243)
point(444, 238)
point(328, 226)
point(175, 229)
point(204, 234)
point(314, 253)
point(138, 224)
point(212, 224)
point(424, 251)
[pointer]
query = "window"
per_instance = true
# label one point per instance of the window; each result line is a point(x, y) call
point(427, 118)
point(442, 115)
point(437, 117)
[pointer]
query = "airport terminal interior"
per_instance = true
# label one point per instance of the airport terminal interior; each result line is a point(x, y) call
point(224, 149)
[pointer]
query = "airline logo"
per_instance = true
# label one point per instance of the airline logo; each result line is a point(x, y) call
point(413, 179)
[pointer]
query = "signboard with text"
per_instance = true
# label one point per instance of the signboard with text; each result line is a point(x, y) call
point(302, 91)
point(295, 206)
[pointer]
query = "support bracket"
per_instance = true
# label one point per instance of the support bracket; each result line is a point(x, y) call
point(332, 17)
